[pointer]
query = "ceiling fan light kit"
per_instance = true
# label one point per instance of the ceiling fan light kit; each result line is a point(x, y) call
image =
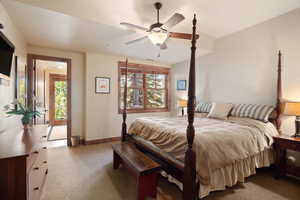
point(158, 33)
point(158, 38)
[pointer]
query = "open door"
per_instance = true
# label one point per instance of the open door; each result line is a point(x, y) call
point(58, 93)
point(60, 112)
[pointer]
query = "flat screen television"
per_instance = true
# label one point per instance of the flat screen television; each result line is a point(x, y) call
point(6, 55)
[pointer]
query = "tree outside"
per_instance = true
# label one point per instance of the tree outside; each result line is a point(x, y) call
point(60, 100)
point(144, 85)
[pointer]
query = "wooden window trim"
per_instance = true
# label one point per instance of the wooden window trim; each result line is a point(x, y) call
point(141, 68)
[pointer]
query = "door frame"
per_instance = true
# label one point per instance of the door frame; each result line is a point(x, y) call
point(52, 78)
point(31, 58)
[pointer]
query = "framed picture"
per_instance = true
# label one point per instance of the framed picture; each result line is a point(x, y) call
point(181, 84)
point(102, 85)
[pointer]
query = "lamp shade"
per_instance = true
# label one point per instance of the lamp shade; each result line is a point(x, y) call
point(292, 108)
point(182, 103)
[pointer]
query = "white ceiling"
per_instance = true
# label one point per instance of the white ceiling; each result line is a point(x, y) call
point(93, 25)
point(52, 65)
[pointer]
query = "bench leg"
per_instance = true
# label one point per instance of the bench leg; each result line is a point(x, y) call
point(147, 186)
point(117, 161)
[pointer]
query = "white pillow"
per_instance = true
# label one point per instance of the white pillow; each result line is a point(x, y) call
point(220, 110)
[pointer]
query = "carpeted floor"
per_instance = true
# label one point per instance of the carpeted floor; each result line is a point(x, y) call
point(86, 173)
point(57, 132)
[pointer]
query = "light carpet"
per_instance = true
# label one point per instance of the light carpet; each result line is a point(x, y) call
point(86, 173)
point(57, 133)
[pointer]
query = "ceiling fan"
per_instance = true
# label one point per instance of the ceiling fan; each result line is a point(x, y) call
point(158, 33)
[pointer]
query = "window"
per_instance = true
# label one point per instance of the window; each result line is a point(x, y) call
point(147, 88)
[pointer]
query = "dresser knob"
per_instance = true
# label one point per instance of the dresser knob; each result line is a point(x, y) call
point(44, 136)
point(36, 168)
point(44, 147)
point(36, 188)
point(45, 162)
point(36, 152)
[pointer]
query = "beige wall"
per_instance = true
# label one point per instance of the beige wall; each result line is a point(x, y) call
point(77, 82)
point(243, 68)
point(7, 92)
point(102, 118)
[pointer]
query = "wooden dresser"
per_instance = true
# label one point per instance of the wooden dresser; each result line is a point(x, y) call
point(23, 163)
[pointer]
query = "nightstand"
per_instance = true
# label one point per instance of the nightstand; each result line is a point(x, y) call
point(283, 143)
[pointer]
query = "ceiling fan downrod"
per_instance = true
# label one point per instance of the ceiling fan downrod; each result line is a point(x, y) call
point(158, 6)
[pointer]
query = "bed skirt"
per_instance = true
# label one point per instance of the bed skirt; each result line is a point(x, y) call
point(231, 174)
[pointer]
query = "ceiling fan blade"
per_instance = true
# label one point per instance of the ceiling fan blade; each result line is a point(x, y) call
point(132, 26)
point(163, 46)
point(172, 21)
point(136, 40)
point(185, 36)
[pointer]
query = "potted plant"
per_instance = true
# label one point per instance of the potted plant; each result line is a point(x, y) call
point(27, 113)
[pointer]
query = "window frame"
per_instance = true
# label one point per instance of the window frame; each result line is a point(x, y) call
point(144, 69)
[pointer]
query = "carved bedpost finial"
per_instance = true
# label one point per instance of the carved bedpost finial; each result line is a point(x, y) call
point(189, 182)
point(124, 125)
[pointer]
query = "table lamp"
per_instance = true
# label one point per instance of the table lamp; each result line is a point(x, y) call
point(182, 104)
point(293, 109)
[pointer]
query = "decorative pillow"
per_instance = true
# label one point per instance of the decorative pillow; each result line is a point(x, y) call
point(220, 110)
point(254, 111)
point(203, 107)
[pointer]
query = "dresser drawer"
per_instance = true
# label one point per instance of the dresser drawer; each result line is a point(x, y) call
point(288, 145)
point(34, 194)
point(42, 156)
point(44, 138)
point(37, 172)
point(35, 181)
point(31, 159)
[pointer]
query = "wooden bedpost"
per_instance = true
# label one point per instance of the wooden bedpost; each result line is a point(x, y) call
point(124, 125)
point(189, 180)
point(279, 94)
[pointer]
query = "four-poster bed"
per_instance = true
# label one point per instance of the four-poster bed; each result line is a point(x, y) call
point(185, 172)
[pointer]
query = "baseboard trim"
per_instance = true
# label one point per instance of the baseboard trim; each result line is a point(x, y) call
point(99, 141)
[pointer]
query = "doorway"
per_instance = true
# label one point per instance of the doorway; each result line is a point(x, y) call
point(57, 99)
point(49, 85)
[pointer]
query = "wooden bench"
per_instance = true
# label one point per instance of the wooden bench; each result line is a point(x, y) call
point(142, 167)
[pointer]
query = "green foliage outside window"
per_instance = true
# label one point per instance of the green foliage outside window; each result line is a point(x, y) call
point(22, 91)
point(60, 100)
point(151, 86)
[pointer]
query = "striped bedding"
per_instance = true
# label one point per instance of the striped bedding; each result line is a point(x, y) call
point(203, 107)
point(253, 111)
point(258, 112)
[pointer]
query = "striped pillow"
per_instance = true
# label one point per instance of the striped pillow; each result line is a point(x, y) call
point(203, 107)
point(258, 112)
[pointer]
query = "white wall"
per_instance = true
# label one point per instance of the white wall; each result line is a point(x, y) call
point(243, 68)
point(102, 119)
point(78, 66)
point(7, 92)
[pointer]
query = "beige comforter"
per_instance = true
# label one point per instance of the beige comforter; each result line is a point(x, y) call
point(217, 143)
